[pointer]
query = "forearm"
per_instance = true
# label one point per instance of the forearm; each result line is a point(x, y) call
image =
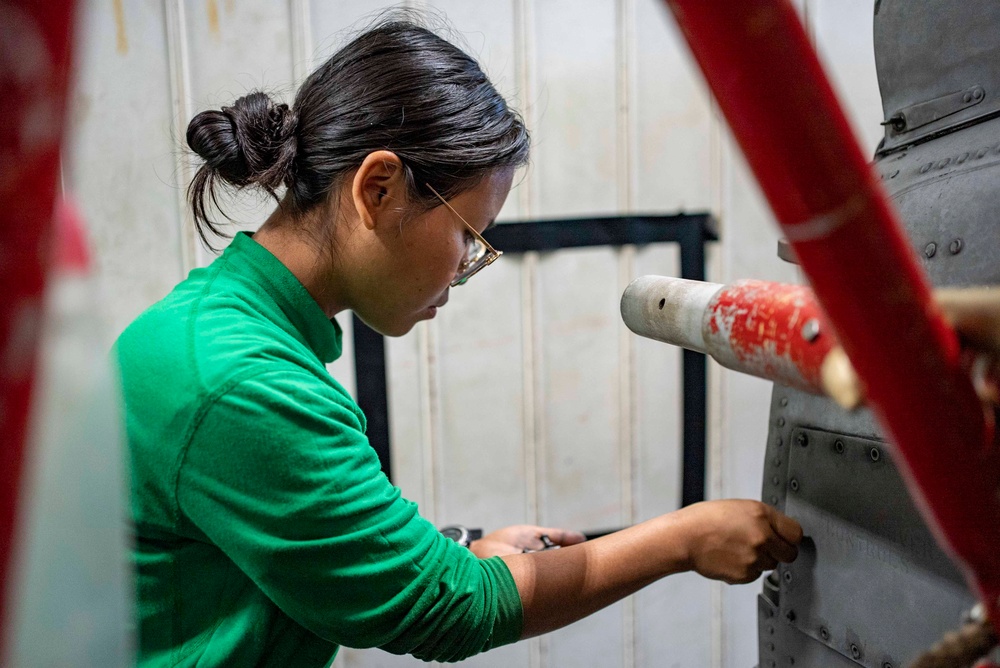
point(558, 587)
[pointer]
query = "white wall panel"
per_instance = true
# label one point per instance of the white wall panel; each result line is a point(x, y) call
point(120, 160)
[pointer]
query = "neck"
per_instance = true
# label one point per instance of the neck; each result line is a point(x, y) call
point(302, 256)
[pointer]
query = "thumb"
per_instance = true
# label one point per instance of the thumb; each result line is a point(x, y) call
point(783, 525)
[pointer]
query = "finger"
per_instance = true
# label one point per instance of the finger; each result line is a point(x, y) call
point(562, 537)
point(787, 528)
point(781, 550)
point(765, 563)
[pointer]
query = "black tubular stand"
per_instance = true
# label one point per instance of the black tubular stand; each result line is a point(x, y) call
point(690, 231)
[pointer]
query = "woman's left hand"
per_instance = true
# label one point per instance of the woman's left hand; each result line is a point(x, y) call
point(523, 538)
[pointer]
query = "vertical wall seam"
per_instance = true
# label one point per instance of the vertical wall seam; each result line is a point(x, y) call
point(625, 38)
point(426, 423)
point(301, 39)
point(180, 95)
point(524, 34)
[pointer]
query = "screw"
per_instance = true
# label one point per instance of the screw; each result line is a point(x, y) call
point(838, 445)
point(788, 576)
point(790, 616)
point(930, 250)
point(824, 633)
point(810, 330)
point(875, 454)
point(802, 439)
point(855, 651)
point(783, 401)
point(794, 484)
point(955, 247)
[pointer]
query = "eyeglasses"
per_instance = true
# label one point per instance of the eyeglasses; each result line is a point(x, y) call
point(478, 251)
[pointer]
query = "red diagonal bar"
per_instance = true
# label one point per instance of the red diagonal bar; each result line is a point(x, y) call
point(34, 81)
point(770, 85)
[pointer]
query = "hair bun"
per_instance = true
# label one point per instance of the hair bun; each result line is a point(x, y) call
point(252, 142)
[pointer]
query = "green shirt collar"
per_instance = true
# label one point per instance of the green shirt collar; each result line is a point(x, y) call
point(321, 334)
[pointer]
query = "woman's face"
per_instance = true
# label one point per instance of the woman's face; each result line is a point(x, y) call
point(420, 257)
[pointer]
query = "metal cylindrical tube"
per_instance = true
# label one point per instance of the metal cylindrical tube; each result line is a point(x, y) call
point(783, 112)
point(769, 330)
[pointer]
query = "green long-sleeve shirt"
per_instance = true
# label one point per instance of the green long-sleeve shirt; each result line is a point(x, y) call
point(265, 532)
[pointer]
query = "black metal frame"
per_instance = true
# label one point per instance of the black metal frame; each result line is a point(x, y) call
point(690, 231)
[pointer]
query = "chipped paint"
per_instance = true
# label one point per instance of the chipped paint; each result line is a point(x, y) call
point(121, 37)
point(755, 327)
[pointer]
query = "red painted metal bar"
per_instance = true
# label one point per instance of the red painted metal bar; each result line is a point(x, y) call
point(770, 85)
point(34, 80)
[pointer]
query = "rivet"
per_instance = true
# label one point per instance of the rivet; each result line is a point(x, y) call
point(824, 633)
point(810, 330)
point(770, 630)
point(783, 401)
point(855, 651)
point(967, 98)
point(930, 250)
point(781, 422)
point(926, 168)
point(977, 94)
point(774, 500)
point(894, 174)
point(962, 158)
point(788, 576)
point(802, 439)
point(941, 164)
point(791, 661)
point(777, 461)
point(770, 646)
point(955, 247)
point(776, 480)
point(838, 445)
point(875, 454)
point(794, 484)
point(779, 441)
point(790, 615)
point(982, 152)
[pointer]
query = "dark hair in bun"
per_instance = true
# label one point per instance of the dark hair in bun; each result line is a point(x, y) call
point(251, 143)
point(398, 87)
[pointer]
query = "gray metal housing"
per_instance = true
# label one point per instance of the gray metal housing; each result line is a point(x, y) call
point(871, 587)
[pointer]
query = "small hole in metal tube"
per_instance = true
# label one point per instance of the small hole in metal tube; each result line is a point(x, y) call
point(662, 303)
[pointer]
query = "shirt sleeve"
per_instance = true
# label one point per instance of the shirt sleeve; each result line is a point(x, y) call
point(280, 476)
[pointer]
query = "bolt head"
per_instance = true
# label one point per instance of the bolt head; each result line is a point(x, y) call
point(810, 330)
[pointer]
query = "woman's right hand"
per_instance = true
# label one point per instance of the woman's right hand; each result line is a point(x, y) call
point(737, 540)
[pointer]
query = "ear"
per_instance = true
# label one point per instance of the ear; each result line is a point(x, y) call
point(378, 187)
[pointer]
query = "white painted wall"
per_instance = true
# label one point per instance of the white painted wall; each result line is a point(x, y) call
point(525, 400)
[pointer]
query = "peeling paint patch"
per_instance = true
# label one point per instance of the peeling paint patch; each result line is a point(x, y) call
point(121, 37)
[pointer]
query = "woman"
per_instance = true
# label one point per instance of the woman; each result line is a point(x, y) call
point(265, 532)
